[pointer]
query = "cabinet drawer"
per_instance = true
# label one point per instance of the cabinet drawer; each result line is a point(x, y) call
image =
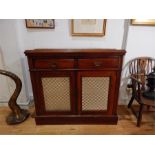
point(54, 63)
point(100, 63)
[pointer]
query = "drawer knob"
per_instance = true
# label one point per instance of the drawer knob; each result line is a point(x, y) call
point(98, 64)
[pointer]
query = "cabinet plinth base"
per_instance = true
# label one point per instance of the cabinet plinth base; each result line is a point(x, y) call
point(72, 119)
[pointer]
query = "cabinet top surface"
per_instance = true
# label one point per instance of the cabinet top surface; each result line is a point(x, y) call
point(44, 52)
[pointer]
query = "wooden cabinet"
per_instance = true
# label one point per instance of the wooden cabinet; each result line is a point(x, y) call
point(75, 86)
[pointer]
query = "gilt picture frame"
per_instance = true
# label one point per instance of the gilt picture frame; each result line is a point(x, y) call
point(40, 23)
point(143, 22)
point(88, 27)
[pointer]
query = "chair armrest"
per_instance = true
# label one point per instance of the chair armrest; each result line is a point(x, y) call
point(135, 79)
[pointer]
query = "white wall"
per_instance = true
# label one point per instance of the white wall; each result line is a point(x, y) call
point(140, 42)
point(10, 49)
point(15, 38)
point(4, 93)
point(60, 37)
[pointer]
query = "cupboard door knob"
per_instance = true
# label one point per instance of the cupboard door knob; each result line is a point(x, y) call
point(53, 65)
point(98, 64)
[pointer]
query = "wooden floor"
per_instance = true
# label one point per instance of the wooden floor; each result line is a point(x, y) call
point(126, 125)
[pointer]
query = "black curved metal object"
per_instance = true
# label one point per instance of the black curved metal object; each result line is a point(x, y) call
point(150, 93)
point(18, 115)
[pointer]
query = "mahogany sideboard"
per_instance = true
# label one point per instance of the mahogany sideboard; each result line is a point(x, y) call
point(75, 86)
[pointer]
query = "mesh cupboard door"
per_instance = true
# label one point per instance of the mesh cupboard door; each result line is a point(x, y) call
point(95, 89)
point(56, 92)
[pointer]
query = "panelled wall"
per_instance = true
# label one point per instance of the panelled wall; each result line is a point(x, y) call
point(15, 38)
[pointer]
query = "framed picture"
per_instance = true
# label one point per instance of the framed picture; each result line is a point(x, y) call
point(149, 22)
point(40, 23)
point(88, 27)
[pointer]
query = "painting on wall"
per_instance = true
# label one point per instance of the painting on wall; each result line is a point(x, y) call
point(88, 27)
point(148, 22)
point(40, 23)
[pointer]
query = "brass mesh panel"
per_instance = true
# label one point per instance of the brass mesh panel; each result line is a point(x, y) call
point(95, 93)
point(56, 92)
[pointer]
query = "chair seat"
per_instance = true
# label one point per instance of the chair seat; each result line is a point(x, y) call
point(147, 101)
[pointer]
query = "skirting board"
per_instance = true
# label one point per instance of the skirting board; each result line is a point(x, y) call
point(23, 104)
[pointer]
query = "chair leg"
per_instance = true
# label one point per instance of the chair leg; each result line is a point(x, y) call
point(131, 101)
point(139, 119)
